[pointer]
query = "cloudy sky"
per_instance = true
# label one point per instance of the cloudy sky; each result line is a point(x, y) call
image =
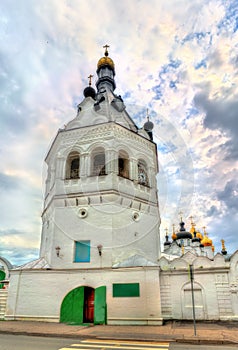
point(178, 58)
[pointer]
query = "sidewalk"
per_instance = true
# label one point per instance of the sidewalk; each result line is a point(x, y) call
point(207, 333)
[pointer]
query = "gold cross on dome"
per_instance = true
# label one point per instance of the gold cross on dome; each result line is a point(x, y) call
point(192, 222)
point(166, 231)
point(90, 79)
point(147, 114)
point(106, 47)
point(223, 244)
point(180, 214)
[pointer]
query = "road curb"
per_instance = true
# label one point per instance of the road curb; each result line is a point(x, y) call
point(198, 341)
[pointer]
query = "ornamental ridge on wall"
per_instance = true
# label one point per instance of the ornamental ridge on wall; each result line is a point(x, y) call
point(101, 132)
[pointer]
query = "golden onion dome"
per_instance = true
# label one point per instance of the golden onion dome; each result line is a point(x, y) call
point(174, 236)
point(192, 229)
point(199, 235)
point(207, 242)
point(105, 61)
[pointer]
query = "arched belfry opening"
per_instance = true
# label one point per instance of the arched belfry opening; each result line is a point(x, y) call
point(98, 164)
point(73, 166)
point(123, 164)
point(143, 178)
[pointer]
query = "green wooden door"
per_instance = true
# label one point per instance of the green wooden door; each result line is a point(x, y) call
point(100, 306)
point(72, 307)
point(2, 277)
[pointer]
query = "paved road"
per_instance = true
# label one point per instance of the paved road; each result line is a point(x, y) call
point(179, 346)
point(20, 342)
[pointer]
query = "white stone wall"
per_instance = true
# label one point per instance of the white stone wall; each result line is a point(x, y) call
point(215, 293)
point(37, 295)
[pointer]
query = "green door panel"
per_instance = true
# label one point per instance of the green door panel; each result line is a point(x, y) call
point(100, 306)
point(72, 307)
point(2, 277)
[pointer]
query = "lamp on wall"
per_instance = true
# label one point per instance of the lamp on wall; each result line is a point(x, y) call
point(99, 249)
point(57, 251)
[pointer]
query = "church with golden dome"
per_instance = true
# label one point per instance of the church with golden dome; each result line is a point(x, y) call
point(193, 240)
point(100, 258)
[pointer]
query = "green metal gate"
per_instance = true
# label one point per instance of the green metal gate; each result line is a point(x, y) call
point(2, 277)
point(100, 306)
point(72, 307)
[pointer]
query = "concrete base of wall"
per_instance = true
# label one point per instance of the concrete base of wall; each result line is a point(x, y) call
point(32, 318)
point(134, 322)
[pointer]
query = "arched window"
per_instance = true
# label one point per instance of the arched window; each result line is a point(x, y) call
point(98, 162)
point(142, 173)
point(123, 164)
point(73, 166)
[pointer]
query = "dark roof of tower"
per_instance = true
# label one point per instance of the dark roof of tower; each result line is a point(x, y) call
point(183, 233)
point(89, 92)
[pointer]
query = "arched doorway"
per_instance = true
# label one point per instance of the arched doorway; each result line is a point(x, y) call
point(84, 305)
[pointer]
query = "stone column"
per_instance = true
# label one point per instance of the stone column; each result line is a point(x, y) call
point(47, 182)
point(59, 171)
point(111, 159)
point(83, 165)
point(87, 164)
point(133, 169)
point(234, 298)
point(151, 177)
point(52, 177)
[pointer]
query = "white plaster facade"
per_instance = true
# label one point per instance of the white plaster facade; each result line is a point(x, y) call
point(101, 189)
point(119, 213)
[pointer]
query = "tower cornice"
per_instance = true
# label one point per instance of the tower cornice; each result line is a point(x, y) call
point(100, 131)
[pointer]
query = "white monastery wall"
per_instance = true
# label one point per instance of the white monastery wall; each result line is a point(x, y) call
point(215, 288)
point(52, 286)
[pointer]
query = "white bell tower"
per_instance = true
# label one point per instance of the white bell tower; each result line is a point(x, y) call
point(101, 205)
